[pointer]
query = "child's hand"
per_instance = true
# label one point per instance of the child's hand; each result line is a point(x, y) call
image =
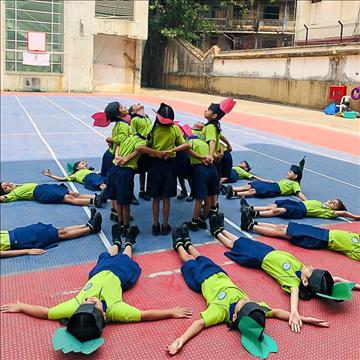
point(356, 287)
point(168, 153)
point(316, 322)
point(178, 313)
point(12, 308)
point(2, 198)
point(175, 347)
point(36, 251)
point(117, 160)
point(46, 172)
point(295, 321)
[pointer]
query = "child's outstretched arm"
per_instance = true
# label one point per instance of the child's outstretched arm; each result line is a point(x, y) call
point(182, 147)
point(195, 328)
point(40, 312)
point(226, 141)
point(12, 253)
point(257, 178)
point(285, 315)
point(301, 196)
point(48, 173)
point(347, 214)
point(294, 318)
point(174, 313)
point(340, 279)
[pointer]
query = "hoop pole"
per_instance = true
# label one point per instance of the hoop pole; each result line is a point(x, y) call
point(69, 73)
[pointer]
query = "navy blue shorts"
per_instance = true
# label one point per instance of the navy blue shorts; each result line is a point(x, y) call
point(144, 164)
point(205, 181)
point(107, 163)
point(93, 181)
point(50, 193)
point(264, 189)
point(248, 253)
point(307, 236)
point(35, 236)
point(161, 180)
point(124, 185)
point(226, 164)
point(218, 167)
point(233, 178)
point(196, 271)
point(183, 165)
point(294, 209)
point(125, 268)
point(111, 186)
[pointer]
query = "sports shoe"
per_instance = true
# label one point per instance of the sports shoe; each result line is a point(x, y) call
point(182, 195)
point(202, 223)
point(114, 215)
point(246, 221)
point(223, 189)
point(156, 229)
point(99, 199)
point(221, 221)
point(165, 230)
point(185, 235)
point(214, 225)
point(190, 198)
point(192, 225)
point(95, 223)
point(134, 201)
point(252, 211)
point(116, 235)
point(177, 238)
point(143, 195)
point(130, 238)
point(92, 213)
point(124, 229)
point(229, 191)
point(243, 203)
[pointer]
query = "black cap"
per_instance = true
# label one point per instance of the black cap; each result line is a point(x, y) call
point(215, 108)
point(86, 323)
point(248, 167)
point(165, 114)
point(253, 310)
point(321, 282)
point(298, 169)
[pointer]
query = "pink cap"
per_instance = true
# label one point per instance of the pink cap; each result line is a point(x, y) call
point(227, 105)
point(100, 119)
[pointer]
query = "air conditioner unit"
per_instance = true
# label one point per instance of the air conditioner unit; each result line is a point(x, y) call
point(32, 84)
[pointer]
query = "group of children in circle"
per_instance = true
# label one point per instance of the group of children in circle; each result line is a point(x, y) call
point(200, 154)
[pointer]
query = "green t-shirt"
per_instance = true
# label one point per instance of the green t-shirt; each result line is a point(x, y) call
point(106, 286)
point(210, 133)
point(120, 132)
point(129, 146)
point(21, 192)
point(345, 242)
point(200, 147)
point(79, 175)
point(288, 187)
point(165, 138)
point(242, 174)
point(220, 292)
point(282, 266)
point(4, 240)
point(315, 208)
point(138, 123)
point(197, 132)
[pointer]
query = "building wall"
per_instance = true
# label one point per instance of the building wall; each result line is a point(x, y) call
point(81, 29)
point(322, 20)
point(297, 76)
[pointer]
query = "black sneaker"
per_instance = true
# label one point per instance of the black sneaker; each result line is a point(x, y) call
point(134, 201)
point(192, 225)
point(99, 199)
point(223, 189)
point(92, 213)
point(182, 195)
point(156, 229)
point(165, 230)
point(229, 191)
point(252, 211)
point(124, 229)
point(116, 235)
point(177, 238)
point(243, 203)
point(143, 195)
point(246, 221)
point(114, 216)
point(130, 239)
point(202, 223)
point(214, 225)
point(131, 218)
point(95, 223)
point(221, 221)
point(185, 235)
point(190, 198)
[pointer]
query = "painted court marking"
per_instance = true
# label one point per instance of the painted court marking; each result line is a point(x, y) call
point(103, 237)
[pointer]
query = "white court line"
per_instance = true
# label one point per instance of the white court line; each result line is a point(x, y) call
point(48, 133)
point(103, 238)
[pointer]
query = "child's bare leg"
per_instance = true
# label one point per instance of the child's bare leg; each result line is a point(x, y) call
point(156, 210)
point(193, 251)
point(229, 235)
point(128, 251)
point(126, 214)
point(266, 207)
point(213, 200)
point(119, 210)
point(206, 206)
point(74, 193)
point(197, 208)
point(113, 250)
point(86, 196)
point(166, 211)
point(113, 204)
point(242, 188)
point(184, 256)
point(247, 193)
point(269, 225)
point(278, 231)
point(69, 199)
point(73, 232)
point(225, 240)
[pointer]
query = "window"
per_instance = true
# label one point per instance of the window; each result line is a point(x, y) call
point(271, 12)
point(23, 16)
point(315, 1)
point(121, 9)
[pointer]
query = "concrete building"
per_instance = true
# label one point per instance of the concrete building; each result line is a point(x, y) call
point(328, 21)
point(264, 24)
point(94, 45)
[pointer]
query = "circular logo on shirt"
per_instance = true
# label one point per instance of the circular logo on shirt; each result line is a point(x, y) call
point(87, 287)
point(355, 240)
point(222, 295)
point(286, 266)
